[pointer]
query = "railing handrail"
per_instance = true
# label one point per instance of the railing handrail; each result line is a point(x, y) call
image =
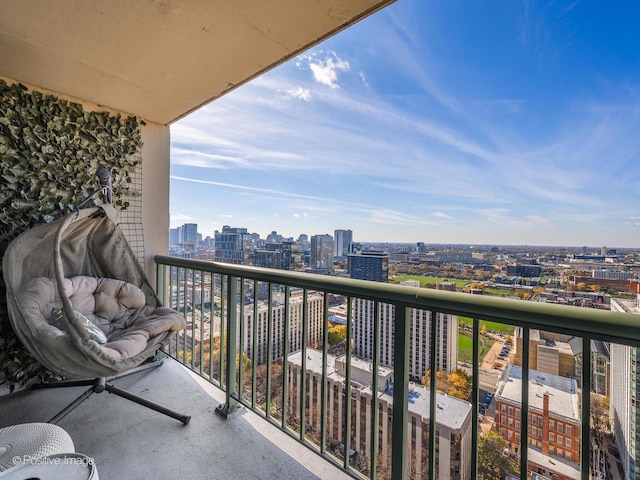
point(601, 324)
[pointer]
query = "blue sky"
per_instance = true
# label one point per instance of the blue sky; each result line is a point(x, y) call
point(447, 121)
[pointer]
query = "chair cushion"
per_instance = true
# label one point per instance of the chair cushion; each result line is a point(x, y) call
point(106, 299)
point(119, 309)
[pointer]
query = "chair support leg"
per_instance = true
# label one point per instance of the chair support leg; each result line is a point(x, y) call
point(98, 386)
point(143, 401)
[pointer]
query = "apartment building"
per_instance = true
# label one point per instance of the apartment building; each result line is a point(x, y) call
point(625, 394)
point(262, 328)
point(453, 416)
point(233, 245)
point(343, 243)
point(321, 254)
point(419, 337)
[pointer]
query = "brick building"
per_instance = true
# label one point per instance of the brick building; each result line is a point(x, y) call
point(554, 421)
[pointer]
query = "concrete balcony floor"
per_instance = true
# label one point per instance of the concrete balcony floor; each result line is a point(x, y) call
point(129, 441)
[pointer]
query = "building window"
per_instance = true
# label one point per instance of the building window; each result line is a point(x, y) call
point(560, 429)
point(552, 437)
point(567, 443)
point(511, 411)
point(552, 424)
point(517, 413)
point(568, 430)
point(567, 455)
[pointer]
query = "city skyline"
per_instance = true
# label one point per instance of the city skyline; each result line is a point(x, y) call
point(443, 123)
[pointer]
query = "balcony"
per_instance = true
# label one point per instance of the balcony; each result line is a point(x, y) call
point(283, 420)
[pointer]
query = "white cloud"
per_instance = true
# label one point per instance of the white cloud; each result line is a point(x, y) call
point(299, 92)
point(326, 71)
point(442, 215)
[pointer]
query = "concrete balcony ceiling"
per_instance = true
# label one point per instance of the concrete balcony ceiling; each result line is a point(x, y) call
point(161, 59)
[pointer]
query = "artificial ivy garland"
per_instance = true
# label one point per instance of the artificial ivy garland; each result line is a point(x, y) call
point(50, 151)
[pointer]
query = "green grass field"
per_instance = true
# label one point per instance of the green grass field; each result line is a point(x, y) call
point(426, 281)
point(465, 347)
point(494, 292)
point(492, 326)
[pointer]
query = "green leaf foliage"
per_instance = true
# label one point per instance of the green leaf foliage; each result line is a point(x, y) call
point(50, 151)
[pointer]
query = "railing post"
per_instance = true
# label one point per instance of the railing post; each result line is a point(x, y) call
point(585, 413)
point(433, 366)
point(400, 394)
point(231, 403)
point(475, 398)
point(524, 421)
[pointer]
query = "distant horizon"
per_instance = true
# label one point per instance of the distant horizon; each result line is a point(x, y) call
point(443, 244)
point(506, 123)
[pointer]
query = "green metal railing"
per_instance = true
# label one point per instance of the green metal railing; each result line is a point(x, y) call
point(180, 280)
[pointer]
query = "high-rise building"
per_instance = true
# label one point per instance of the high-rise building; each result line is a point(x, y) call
point(315, 315)
point(189, 232)
point(303, 242)
point(274, 237)
point(233, 245)
point(321, 259)
point(375, 266)
point(625, 395)
point(174, 236)
point(283, 256)
point(370, 265)
point(453, 429)
point(420, 332)
point(343, 240)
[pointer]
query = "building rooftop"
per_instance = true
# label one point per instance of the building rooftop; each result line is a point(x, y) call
point(563, 391)
point(451, 412)
point(559, 465)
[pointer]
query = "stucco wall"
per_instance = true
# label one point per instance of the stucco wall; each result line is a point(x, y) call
point(155, 193)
